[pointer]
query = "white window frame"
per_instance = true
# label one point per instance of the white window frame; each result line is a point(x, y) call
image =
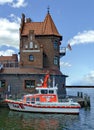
point(31, 58)
point(31, 45)
point(56, 60)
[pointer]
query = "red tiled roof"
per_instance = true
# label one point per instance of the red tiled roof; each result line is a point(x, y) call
point(47, 27)
point(36, 26)
point(9, 58)
point(5, 58)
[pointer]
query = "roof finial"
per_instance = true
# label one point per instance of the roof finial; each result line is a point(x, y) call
point(48, 9)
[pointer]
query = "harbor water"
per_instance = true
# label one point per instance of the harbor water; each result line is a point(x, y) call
point(12, 120)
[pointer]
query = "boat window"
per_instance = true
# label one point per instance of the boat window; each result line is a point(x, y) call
point(28, 100)
point(51, 91)
point(44, 91)
point(37, 99)
point(33, 100)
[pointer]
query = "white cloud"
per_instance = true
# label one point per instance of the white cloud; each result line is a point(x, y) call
point(9, 31)
point(7, 52)
point(14, 3)
point(82, 38)
point(65, 64)
point(5, 1)
point(89, 78)
point(14, 18)
point(19, 3)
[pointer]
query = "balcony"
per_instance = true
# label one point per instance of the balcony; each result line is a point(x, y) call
point(62, 51)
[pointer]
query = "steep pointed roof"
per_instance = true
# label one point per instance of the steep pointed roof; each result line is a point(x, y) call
point(47, 27)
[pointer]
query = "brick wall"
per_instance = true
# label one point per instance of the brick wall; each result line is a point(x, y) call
point(17, 89)
point(45, 56)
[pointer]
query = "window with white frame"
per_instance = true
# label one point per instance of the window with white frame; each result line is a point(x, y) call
point(31, 45)
point(56, 60)
point(56, 44)
point(26, 46)
point(31, 37)
point(31, 58)
point(29, 84)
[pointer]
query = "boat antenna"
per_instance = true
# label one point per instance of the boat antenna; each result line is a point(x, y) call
point(53, 81)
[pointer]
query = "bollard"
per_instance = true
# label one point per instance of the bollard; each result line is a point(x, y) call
point(86, 100)
point(77, 94)
point(80, 94)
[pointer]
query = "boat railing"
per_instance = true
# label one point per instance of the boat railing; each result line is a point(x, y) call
point(56, 103)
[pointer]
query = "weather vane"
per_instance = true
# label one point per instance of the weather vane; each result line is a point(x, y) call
point(48, 9)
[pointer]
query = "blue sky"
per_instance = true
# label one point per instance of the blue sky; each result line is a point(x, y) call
point(74, 20)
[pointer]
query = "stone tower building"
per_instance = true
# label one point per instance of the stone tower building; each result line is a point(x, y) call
point(39, 53)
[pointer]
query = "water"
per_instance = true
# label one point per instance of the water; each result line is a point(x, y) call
point(12, 120)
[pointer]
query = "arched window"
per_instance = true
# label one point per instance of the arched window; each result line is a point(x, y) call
point(31, 58)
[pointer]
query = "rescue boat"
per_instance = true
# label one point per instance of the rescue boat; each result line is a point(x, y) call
point(44, 101)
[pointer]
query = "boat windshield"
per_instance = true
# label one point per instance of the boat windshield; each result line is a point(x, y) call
point(44, 91)
point(47, 91)
point(51, 91)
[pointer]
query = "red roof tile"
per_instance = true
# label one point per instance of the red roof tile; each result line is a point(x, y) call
point(9, 58)
point(47, 27)
point(36, 26)
point(5, 58)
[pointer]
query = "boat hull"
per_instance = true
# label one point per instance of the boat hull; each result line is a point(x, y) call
point(43, 109)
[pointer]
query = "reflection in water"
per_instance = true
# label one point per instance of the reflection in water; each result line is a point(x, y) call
point(12, 120)
point(32, 121)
